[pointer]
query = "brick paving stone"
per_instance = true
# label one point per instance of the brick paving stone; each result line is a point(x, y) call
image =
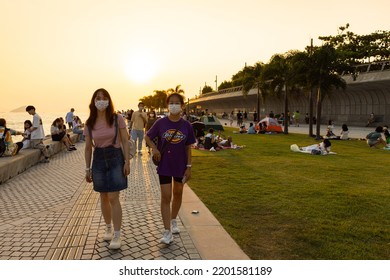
point(62, 220)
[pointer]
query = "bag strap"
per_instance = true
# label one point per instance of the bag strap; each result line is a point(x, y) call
point(116, 129)
point(165, 145)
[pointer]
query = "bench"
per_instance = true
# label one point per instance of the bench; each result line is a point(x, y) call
point(12, 166)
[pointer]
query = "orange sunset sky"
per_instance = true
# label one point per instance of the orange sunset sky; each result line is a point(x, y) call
point(54, 53)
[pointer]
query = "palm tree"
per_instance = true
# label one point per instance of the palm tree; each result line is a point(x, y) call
point(159, 98)
point(326, 77)
point(253, 77)
point(304, 77)
point(177, 89)
point(279, 73)
point(148, 101)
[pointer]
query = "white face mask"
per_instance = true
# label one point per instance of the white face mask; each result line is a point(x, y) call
point(141, 108)
point(174, 108)
point(152, 115)
point(101, 105)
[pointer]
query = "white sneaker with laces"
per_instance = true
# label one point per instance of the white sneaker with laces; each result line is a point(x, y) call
point(115, 243)
point(107, 234)
point(167, 237)
point(174, 227)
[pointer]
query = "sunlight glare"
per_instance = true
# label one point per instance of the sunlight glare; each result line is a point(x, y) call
point(141, 67)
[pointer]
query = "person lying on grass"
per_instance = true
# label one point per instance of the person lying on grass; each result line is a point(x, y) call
point(320, 148)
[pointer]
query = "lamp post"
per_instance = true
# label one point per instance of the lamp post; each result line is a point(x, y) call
point(216, 83)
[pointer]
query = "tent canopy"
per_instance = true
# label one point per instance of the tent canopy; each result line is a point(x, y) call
point(272, 125)
point(270, 121)
point(211, 122)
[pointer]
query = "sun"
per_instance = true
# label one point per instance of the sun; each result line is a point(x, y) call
point(141, 67)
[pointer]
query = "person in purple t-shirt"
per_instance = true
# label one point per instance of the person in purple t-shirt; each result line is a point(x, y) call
point(174, 162)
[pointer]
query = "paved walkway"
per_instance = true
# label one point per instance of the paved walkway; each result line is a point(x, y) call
point(49, 212)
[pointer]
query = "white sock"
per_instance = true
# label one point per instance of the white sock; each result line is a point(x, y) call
point(117, 233)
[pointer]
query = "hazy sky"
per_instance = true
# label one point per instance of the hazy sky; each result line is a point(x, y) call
point(56, 53)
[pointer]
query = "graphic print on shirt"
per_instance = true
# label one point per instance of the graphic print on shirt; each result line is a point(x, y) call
point(178, 137)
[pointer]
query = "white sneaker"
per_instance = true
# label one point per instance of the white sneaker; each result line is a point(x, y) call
point(167, 237)
point(107, 234)
point(212, 149)
point(174, 227)
point(115, 243)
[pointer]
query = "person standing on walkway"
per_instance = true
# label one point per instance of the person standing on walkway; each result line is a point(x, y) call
point(231, 118)
point(175, 137)
point(138, 121)
point(151, 120)
point(37, 134)
point(69, 118)
point(239, 118)
point(111, 165)
point(296, 118)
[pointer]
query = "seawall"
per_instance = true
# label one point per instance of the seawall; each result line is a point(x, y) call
point(26, 158)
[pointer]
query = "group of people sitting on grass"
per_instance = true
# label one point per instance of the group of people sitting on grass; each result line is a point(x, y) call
point(374, 140)
point(344, 132)
point(213, 142)
point(260, 128)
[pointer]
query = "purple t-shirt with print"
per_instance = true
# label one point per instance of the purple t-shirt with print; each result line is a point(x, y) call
point(174, 160)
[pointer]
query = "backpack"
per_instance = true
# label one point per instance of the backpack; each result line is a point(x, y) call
point(316, 152)
point(3, 144)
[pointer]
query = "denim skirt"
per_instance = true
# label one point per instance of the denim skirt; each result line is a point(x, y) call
point(107, 170)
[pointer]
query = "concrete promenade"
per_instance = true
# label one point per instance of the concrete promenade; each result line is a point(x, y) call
point(49, 212)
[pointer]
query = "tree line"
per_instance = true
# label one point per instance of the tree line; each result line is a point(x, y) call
point(315, 71)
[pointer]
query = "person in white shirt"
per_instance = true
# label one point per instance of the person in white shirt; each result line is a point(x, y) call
point(37, 133)
point(322, 148)
point(344, 132)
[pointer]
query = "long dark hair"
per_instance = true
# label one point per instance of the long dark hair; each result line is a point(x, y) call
point(93, 110)
point(55, 121)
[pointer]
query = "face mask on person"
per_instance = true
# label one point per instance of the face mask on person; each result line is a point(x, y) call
point(174, 108)
point(152, 115)
point(141, 108)
point(101, 105)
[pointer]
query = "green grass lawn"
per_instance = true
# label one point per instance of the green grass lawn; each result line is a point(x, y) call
point(278, 204)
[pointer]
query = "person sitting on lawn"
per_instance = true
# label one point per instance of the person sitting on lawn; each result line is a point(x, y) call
point(226, 142)
point(344, 132)
point(329, 130)
point(375, 138)
point(243, 129)
point(251, 129)
point(387, 134)
point(210, 141)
